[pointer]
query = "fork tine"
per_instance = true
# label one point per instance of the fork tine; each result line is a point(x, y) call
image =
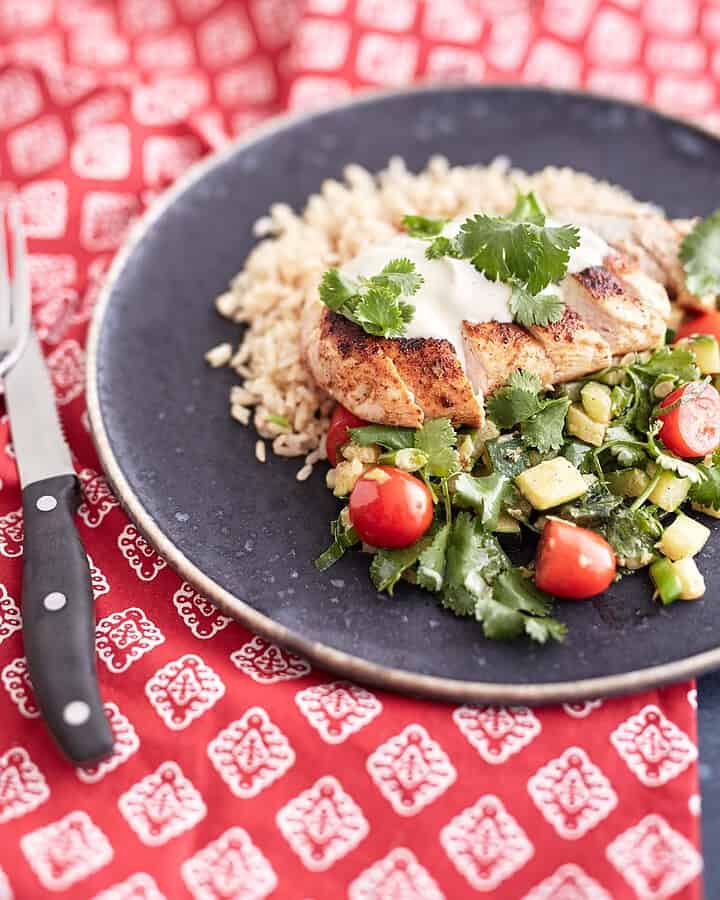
point(20, 290)
point(5, 297)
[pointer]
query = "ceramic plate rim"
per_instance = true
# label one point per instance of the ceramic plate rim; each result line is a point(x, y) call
point(337, 661)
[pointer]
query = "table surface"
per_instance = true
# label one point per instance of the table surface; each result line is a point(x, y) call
point(709, 742)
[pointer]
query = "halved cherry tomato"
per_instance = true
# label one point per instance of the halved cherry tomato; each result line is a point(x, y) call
point(573, 562)
point(705, 323)
point(390, 508)
point(692, 427)
point(337, 435)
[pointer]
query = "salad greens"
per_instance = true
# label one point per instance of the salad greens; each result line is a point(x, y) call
point(617, 478)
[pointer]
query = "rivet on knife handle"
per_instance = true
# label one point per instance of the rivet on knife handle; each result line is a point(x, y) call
point(59, 621)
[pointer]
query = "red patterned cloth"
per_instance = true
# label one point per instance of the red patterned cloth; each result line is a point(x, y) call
point(239, 772)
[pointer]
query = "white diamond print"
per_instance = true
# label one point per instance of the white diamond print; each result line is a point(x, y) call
point(229, 868)
point(322, 824)
point(338, 709)
point(399, 876)
point(497, 732)
point(251, 753)
point(411, 770)
point(162, 805)
point(572, 793)
point(67, 851)
point(569, 882)
point(653, 747)
point(182, 690)
point(654, 859)
point(486, 844)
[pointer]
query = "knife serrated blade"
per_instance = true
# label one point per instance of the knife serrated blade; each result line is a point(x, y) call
point(41, 450)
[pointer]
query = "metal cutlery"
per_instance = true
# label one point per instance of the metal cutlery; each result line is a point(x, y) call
point(57, 598)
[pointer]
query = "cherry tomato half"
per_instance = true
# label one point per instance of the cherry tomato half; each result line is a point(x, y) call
point(337, 435)
point(573, 562)
point(390, 508)
point(692, 427)
point(706, 323)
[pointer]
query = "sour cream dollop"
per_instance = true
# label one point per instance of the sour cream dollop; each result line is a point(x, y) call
point(453, 290)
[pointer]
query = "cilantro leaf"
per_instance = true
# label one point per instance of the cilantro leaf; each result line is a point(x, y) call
point(508, 454)
point(678, 361)
point(527, 209)
point(422, 226)
point(483, 494)
point(387, 566)
point(441, 246)
point(378, 313)
point(390, 436)
point(538, 309)
point(437, 440)
point(700, 255)
point(343, 539)
point(517, 606)
point(515, 402)
point(431, 562)
point(544, 430)
point(596, 506)
point(375, 304)
point(707, 491)
point(474, 558)
point(336, 289)
point(553, 254)
point(681, 467)
point(400, 275)
point(632, 533)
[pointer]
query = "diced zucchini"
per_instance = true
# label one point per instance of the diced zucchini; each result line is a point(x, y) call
point(551, 483)
point(582, 426)
point(597, 401)
point(628, 482)
point(684, 537)
point(707, 353)
point(670, 491)
point(507, 525)
point(707, 510)
point(693, 583)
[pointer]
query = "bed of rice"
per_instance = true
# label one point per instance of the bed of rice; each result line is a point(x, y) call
point(284, 270)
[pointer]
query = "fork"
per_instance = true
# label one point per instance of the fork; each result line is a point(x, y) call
point(15, 299)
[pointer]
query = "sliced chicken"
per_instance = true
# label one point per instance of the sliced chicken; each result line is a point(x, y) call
point(604, 299)
point(494, 350)
point(434, 374)
point(653, 243)
point(353, 367)
point(395, 382)
point(574, 348)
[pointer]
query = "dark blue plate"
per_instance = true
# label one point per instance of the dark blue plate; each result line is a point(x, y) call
point(246, 534)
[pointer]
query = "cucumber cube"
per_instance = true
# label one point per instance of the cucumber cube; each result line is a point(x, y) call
point(684, 537)
point(692, 582)
point(551, 483)
point(670, 491)
point(597, 401)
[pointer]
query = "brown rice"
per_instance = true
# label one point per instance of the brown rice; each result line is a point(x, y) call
point(284, 269)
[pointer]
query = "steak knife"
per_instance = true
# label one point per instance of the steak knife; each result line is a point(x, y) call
point(57, 599)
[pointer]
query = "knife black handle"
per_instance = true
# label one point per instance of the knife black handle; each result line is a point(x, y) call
point(59, 621)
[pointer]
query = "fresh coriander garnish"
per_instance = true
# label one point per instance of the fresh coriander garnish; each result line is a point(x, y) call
point(700, 255)
point(423, 227)
point(541, 420)
point(375, 304)
point(519, 249)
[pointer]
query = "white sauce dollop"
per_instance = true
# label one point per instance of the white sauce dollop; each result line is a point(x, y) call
point(454, 291)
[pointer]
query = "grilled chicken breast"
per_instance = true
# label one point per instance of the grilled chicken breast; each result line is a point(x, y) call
point(574, 348)
point(610, 310)
point(494, 350)
point(651, 243)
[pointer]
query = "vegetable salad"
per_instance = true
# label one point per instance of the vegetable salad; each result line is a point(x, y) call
point(615, 473)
